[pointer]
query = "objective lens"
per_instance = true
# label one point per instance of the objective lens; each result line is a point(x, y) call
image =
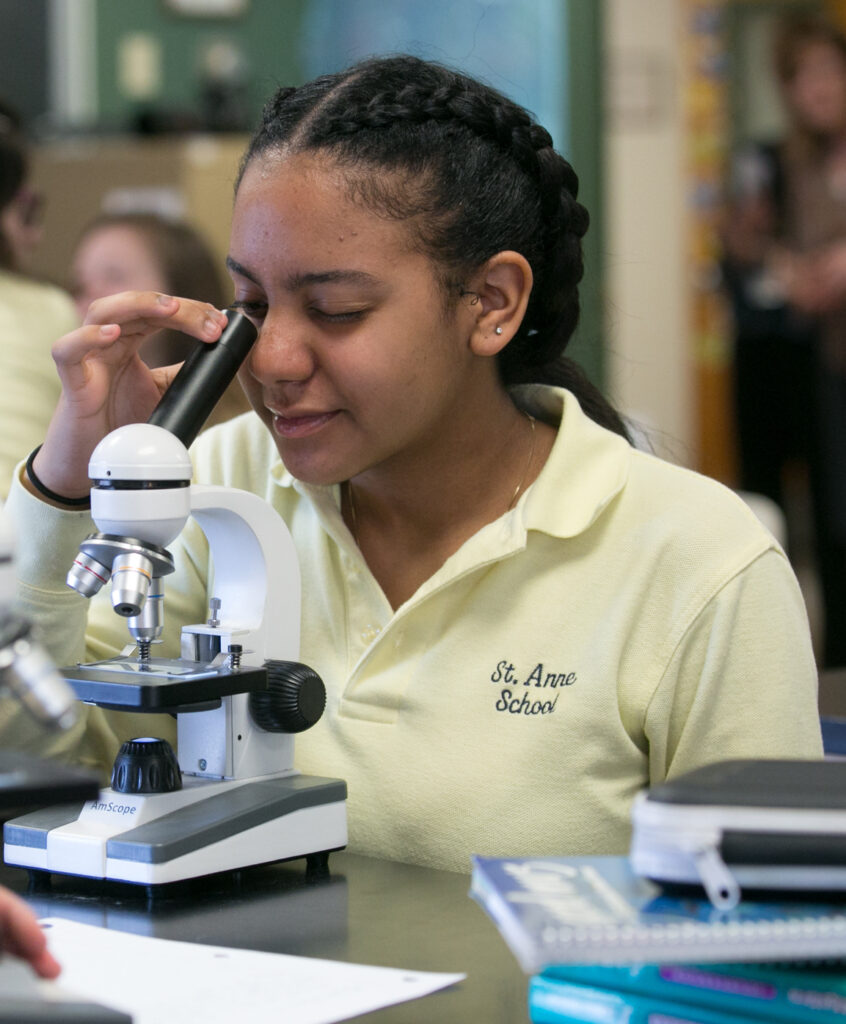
point(149, 624)
point(87, 575)
point(132, 575)
point(32, 677)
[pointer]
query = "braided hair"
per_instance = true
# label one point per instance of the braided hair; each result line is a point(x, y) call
point(471, 174)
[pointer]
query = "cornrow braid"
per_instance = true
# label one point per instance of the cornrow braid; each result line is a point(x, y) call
point(471, 173)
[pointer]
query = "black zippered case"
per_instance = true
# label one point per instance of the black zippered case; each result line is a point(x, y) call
point(751, 825)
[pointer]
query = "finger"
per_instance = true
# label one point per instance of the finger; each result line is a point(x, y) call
point(143, 312)
point(22, 935)
point(46, 965)
point(71, 352)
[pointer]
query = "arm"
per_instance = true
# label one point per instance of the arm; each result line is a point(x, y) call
point(742, 682)
point(32, 316)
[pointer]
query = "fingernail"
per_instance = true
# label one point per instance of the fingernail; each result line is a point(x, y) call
point(165, 300)
point(108, 328)
point(211, 326)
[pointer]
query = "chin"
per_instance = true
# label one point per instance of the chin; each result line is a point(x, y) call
point(310, 471)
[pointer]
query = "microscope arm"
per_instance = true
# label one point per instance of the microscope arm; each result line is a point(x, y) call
point(256, 571)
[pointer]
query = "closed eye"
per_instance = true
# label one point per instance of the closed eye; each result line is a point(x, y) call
point(341, 317)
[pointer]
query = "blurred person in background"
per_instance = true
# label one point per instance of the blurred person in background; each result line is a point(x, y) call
point(31, 311)
point(148, 252)
point(785, 273)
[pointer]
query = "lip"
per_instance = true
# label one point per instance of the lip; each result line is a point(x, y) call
point(297, 425)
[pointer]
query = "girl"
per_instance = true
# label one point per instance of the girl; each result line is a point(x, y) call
point(521, 620)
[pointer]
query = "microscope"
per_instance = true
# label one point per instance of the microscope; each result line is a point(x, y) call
point(28, 675)
point(229, 796)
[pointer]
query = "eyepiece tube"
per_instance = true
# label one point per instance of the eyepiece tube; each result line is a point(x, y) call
point(205, 375)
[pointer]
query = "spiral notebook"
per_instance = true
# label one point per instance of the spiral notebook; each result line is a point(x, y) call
point(556, 910)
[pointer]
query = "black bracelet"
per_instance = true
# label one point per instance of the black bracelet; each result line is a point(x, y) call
point(45, 490)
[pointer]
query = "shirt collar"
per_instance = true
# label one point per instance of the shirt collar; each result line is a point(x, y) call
point(587, 467)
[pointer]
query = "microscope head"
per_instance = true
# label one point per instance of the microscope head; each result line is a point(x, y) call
point(140, 484)
point(140, 501)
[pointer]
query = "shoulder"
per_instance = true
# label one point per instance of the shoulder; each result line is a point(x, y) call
point(37, 299)
point(596, 485)
point(690, 520)
point(689, 505)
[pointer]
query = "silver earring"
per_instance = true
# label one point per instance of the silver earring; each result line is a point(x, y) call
point(498, 330)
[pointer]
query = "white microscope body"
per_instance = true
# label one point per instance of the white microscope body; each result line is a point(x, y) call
point(235, 798)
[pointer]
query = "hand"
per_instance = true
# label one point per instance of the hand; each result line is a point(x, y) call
point(816, 282)
point(830, 271)
point(21, 935)
point(105, 383)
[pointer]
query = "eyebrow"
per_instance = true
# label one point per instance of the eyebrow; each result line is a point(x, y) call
point(295, 281)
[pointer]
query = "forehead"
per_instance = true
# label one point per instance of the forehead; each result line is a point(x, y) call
point(116, 240)
point(301, 207)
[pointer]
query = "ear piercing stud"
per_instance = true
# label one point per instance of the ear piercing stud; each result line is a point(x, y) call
point(498, 330)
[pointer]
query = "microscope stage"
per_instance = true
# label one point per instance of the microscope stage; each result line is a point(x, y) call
point(160, 684)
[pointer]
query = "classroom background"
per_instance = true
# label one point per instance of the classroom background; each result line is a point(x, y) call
point(147, 105)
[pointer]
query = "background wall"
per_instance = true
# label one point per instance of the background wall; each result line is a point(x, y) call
point(142, 71)
point(647, 353)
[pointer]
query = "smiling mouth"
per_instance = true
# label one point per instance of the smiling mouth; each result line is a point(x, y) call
point(301, 426)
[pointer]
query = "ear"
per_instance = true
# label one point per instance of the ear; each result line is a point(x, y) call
point(503, 286)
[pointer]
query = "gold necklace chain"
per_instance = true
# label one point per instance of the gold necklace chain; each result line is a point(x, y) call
point(518, 490)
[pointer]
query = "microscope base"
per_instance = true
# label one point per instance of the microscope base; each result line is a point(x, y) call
point(199, 830)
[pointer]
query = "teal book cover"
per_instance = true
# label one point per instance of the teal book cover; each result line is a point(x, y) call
point(595, 910)
point(555, 1001)
point(772, 992)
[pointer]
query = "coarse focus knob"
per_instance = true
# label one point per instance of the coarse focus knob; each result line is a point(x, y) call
point(146, 765)
point(293, 701)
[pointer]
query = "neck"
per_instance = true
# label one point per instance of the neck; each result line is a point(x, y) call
point(408, 519)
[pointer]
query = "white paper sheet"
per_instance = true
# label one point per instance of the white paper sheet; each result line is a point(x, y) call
point(158, 980)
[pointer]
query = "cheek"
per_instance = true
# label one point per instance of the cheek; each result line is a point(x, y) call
point(252, 389)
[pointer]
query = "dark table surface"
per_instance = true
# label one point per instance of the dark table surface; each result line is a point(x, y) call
point(367, 911)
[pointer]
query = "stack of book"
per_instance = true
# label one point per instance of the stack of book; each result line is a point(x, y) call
point(603, 945)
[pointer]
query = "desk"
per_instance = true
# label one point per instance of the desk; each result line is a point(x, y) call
point(368, 911)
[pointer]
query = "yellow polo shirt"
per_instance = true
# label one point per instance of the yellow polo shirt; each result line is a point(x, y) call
point(628, 620)
point(32, 316)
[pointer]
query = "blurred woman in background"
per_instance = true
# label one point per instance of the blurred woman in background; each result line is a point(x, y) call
point(31, 312)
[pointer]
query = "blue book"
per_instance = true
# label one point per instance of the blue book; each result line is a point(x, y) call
point(555, 1001)
point(595, 910)
point(790, 993)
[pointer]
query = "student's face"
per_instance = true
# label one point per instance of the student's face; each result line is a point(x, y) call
point(110, 259)
point(817, 91)
point(358, 364)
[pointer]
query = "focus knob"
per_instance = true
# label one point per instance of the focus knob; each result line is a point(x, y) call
point(146, 765)
point(293, 701)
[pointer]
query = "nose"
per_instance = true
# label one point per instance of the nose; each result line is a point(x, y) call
point(281, 353)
